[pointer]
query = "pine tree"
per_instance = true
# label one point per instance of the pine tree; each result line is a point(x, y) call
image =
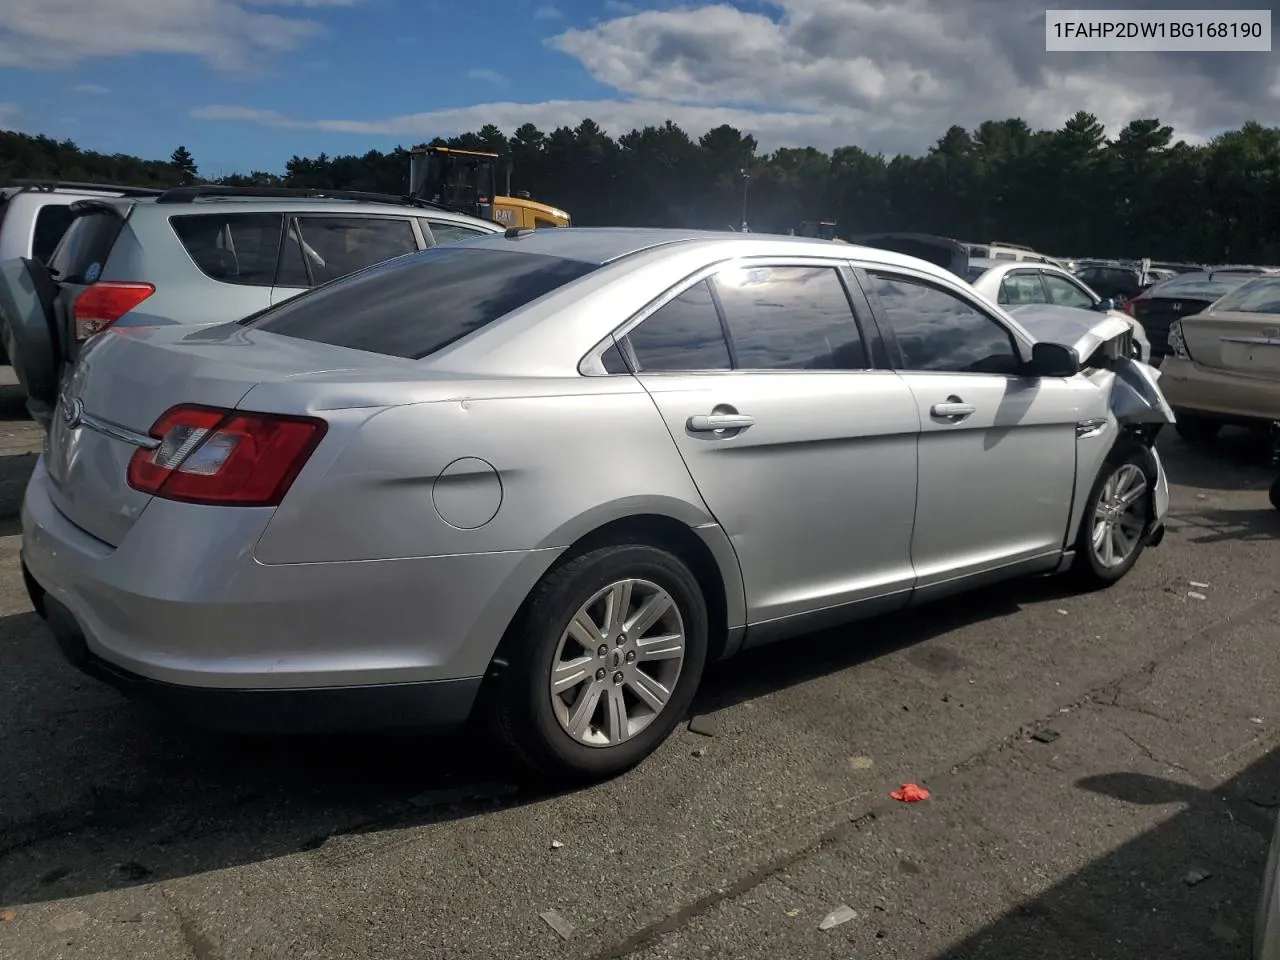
point(182, 161)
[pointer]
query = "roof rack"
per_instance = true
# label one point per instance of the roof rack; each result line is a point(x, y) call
point(1010, 246)
point(49, 186)
point(191, 194)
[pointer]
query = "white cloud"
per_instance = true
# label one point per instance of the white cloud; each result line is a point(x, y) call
point(547, 12)
point(485, 75)
point(228, 34)
point(9, 113)
point(92, 89)
point(887, 75)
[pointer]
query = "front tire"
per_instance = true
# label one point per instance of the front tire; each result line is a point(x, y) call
point(603, 663)
point(1116, 517)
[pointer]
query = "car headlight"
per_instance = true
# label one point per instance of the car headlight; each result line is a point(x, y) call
point(1178, 343)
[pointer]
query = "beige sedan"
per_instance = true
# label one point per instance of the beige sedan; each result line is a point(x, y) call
point(1224, 363)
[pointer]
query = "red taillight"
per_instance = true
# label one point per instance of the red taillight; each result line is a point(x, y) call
point(225, 457)
point(104, 303)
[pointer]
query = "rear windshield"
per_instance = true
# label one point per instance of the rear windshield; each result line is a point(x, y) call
point(1256, 296)
point(83, 251)
point(418, 304)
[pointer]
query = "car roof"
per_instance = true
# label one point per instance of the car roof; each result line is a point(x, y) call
point(602, 245)
point(277, 204)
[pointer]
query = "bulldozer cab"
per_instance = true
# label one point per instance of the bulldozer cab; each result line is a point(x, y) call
point(821, 229)
point(461, 180)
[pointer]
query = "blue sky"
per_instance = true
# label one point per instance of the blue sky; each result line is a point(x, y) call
point(245, 84)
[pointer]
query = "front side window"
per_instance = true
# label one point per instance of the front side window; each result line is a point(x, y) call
point(1063, 293)
point(324, 248)
point(938, 331)
point(52, 222)
point(237, 248)
point(683, 335)
point(446, 232)
point(790, 318)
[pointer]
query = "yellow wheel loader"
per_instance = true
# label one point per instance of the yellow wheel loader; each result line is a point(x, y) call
point(466, 181)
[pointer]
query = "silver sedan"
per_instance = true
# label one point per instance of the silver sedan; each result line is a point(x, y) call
point(546, 477)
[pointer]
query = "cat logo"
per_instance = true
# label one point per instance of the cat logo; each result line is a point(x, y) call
point(506, 217)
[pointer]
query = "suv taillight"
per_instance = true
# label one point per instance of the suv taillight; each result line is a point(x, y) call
point(224, 457)
point(102, 304)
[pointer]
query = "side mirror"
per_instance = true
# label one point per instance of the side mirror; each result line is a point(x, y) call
point(1053, 360)
point(1105, 306)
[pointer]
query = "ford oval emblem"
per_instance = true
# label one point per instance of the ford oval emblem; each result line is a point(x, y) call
point(73, 413)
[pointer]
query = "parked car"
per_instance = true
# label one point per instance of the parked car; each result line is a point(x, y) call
point(1183, 296)
point(1115, 281)
point(34, 214)
point(1015, 285)
point(548, 475)
point(1224, 362)
point(207, 254)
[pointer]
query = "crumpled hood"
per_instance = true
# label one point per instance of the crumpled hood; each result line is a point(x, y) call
point(1071, 327)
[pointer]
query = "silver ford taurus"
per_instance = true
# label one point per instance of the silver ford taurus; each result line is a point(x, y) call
point(544, 477)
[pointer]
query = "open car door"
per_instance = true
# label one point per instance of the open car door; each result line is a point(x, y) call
point(29, 325)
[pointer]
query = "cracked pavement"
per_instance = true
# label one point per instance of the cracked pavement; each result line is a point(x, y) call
point(125, 835)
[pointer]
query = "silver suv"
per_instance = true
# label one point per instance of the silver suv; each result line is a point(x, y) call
point(201, 255)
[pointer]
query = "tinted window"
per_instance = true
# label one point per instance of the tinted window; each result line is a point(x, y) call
point(790, 318)
point(1021, 286)
point(1064, 293)
point(1256, 296)
point(1198, 287)
point(418, 305)
point(451, 232)
point(51, 223)
point(232, 247)
point(83, 250)
point(684, 334)
point(936, 330)
point(332, 247)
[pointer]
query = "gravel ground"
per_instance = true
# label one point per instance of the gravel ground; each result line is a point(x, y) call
point(1156, 764)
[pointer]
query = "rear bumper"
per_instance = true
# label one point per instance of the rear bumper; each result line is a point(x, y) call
point(434, 705)
point(1191, 388)
point(182, 613)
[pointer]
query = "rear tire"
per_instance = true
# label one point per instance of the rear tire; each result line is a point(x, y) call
point(1195, 428)
point(1117, 515)
point(568, 735)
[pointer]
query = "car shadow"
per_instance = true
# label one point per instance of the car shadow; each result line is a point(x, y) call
point(1238, 459)
point(1185, 889)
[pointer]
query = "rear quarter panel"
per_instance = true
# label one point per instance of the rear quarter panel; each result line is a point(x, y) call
point(552, 459)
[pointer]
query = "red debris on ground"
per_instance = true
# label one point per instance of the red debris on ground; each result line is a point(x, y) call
point(910, 793)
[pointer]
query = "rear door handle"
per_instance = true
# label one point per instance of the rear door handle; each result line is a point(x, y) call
point(720, 421)
point(953, 409)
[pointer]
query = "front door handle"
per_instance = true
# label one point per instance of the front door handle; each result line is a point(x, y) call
point(954, 410)
point(720, 421)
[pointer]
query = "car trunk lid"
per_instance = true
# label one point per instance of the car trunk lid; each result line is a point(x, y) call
point(1243, 343)
point(125, 380)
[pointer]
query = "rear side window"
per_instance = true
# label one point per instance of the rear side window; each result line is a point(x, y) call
point(1021, 286)
point(237, 248)
point(51, 223)
point(683, 334)
point(790, 318)
point(419, 305)
point(321, 249)
point(84, 248)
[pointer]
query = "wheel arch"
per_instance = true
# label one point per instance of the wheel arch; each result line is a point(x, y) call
point(702, 545)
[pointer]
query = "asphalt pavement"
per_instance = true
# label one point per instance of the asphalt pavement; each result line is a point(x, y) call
point(1103, 770)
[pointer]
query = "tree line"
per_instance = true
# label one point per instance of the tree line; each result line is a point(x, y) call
point(1070, 192)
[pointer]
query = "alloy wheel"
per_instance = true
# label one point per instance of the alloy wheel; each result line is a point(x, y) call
point(1119, 518)
point(617, 663)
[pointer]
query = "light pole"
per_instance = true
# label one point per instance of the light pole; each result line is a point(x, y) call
point(746, 178)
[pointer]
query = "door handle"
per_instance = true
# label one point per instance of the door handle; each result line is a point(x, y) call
point(954, 409)
point(720, 421)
